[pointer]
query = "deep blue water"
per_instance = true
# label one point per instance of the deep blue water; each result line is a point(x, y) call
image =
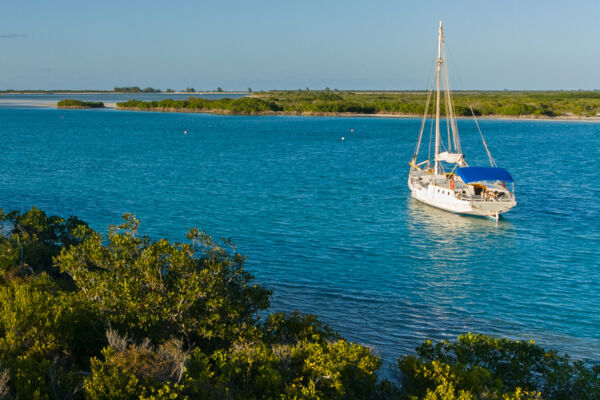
point(329, 224)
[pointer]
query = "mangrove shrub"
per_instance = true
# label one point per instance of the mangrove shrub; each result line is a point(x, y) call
point(121, 316)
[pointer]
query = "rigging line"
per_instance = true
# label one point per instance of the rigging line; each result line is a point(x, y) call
point(447, 111)
point(418, 146)
point(456, 133)
point(432, 75)
point(457, 145)
point(447, 100)
point(442, 96)
point(492, 162)
point(430, 140)
point(455, 71)
point(453, 125)
point(452, 116)
point(448, 107)
point(423, 122)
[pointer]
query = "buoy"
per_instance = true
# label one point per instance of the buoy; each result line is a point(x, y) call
point(352, 130)
point(342, 138)
point(185, 132)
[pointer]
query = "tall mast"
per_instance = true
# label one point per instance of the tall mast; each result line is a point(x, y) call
point(437, 108)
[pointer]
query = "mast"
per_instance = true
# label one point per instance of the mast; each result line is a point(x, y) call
point(437, 108)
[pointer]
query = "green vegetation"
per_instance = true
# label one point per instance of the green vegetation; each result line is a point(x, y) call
point(121, 316)
point(243, 105)
point(70, 103)
point(503, 103)
point(135, 89)
point(127, 89)
point(482, 367)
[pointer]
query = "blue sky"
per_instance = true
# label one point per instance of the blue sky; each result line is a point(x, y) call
point(268, 44)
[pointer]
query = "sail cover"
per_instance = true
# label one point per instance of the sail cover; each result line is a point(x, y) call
point(455, 158)
point(477, 174)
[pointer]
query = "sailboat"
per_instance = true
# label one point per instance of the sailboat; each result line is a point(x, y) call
point(448, 182)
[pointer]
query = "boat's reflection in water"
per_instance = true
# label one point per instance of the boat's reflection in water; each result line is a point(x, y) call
point(445, 240)
point(455, 260)
point(450, 226)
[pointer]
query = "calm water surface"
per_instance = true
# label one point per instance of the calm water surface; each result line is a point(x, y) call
point(329, 224)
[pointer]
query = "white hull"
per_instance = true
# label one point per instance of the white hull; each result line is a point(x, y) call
point(447, 199)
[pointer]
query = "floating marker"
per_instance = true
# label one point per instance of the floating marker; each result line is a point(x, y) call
point(185, 132)
point(351, 130)
point(342, 138)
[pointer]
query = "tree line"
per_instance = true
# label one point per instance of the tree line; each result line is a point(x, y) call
point(123, 316)
point(486, 103)
point(243, 105)
point(135, 89)
point(510, 104)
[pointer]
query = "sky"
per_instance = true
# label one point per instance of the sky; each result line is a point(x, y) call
point(280, 44)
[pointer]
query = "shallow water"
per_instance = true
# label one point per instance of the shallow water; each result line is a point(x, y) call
point(329, 224)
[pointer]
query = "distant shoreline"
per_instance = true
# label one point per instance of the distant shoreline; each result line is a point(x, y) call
point(334, 104)
point(348, 114)
point(50, 93)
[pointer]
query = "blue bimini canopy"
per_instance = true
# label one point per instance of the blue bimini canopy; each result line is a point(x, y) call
point(477, 174)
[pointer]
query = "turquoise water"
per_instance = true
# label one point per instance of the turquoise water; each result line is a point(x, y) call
point(329, 224)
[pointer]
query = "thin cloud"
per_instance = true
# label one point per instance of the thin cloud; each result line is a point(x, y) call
point(13, 36)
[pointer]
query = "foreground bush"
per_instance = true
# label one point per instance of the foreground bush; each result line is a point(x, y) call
point(120, 316)
point(482, 367)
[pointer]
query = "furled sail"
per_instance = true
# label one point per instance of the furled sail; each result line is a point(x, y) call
point(454, 158)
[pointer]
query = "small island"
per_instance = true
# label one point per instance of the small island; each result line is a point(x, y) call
point(71, 103)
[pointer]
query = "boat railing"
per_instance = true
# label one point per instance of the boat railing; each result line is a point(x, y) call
point(485, 199)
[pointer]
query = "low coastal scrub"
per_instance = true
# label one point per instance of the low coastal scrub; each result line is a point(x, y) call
point(135, 89)
point(497, 103)
point(122, 316)
point(70, 103)
point(306, 102)
point(243, 105)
